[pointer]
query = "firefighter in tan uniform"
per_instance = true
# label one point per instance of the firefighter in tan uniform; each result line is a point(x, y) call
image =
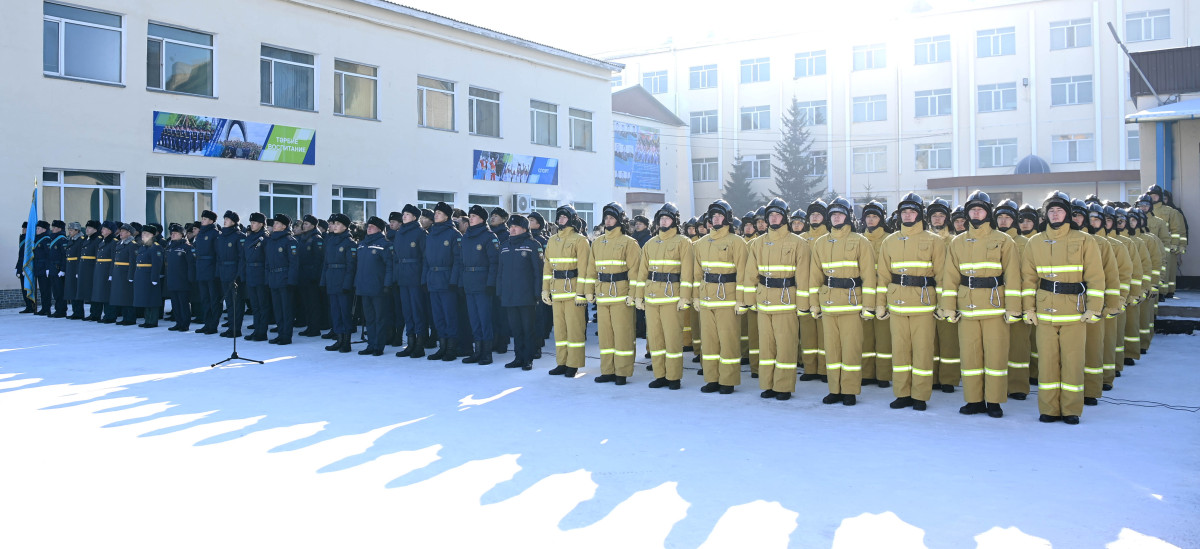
point(1124, 248)
point(812, 340)
point(797, 224)
point(910, 267)
point(1154, 247)
point(717, 260)
point(1133, 311)
point(702, 226)
point(751, 230)
point(606, 283)
point(777, 282)
point(983, 295)
point(663, 289)
point(566, 258)
point(1100, 351)
point(842, 290)
point(1018, 336)
point(1176, 241)
point(946, 363)
point(877, 336)
point(1156, 226)
point(1027, 224)
point(1065, 268)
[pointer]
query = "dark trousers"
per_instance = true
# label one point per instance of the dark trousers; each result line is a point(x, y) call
point(522, 321)
point(77, 308)
point(308, 302)
point(235, 308)
point(412, 301)
point(181, 309)
point(396, 313)
point(96, 310)
point(28, 302)
point(479, 311)
point(110, 312)
point(210, 302)
point(499, 324)
point(259, 304)
point(59, 285)
point(429, 323)
point(281, 301)
point(340, 313)
point(545, 317)
point(444, 308)
point(45, 292)
point(128, 314)
point(151, 314)
point(375, 309)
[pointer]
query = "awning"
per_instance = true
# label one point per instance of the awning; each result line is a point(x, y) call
point(1183, 110)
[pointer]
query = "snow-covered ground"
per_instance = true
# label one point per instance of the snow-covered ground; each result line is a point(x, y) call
point(118, 436)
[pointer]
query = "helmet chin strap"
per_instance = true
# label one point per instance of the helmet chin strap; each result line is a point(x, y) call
point(977, 223)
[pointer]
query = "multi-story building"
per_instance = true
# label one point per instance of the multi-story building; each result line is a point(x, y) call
point(927, 100)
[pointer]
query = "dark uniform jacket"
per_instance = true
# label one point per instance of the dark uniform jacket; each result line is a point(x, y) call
point(340, 263)
point(124, 259)
point(443, 262)
point(147, 292)
point(312, 255)
point(229, 253)
point(283, 260)
point(206, 253)
point(254, 259)
point(409, 245)
point(480, 250)
point(74, 250)
point(180, 266)
point(374, 265)
point(87, 267)
point(519, 272)
point(101, 278)
point(49, 254)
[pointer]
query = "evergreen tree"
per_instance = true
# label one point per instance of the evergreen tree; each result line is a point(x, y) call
point(738, 191)
point(793, 161)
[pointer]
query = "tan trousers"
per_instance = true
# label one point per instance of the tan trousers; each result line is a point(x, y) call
point(664, 338)
point(722, 358)
point(1149, 308)
point(1119, 342)
point(777, 351)
point(948, 363)
point(843, 352)
point(811, 340)
point(615, 325)
point(1093, 360)
point(570, 323)
point(694, 318)
point(983, 346)
point(1133, 336)
point(1060, 377)
point(912, 355)
point(883, 350)
point(1033, 355)
point(1018, 358)
point(1109, 350)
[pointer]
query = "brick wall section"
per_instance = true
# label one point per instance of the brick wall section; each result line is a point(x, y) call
point(11, 298)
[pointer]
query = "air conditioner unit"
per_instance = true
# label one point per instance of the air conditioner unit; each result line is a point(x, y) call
point(522, 203)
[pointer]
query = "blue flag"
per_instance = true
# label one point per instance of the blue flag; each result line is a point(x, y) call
point(30, 238)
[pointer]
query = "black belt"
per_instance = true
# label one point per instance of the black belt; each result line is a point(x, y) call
point(563, 275)
point(1070, 288)
point(474, 269)
point(254, 264)
point(720, 279)
point(834, 282)
point(777, 282)
point(664, 277)
point(229, 262)
point(974, 282)
point(914, 281)
point(410, 260)
point(612, 277)
point(436, 269)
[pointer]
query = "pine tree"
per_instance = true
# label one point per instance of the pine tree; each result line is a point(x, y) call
point(738, 192)
point(793, 162)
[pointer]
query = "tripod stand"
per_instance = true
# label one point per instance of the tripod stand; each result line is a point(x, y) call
point(234, 356)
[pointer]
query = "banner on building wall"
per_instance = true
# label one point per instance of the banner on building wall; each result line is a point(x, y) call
point(225, 138)
point(636, 156)
point(515, 168)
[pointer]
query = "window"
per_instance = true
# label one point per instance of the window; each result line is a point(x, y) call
point(179, 60)
point(355, 90)
point(756, 118)
point(760, 166)
point(814, 112)
point(1147, 25)
point(1076, 33)
point(704, 169)
point(810, 63)
point(427, 200)
point(1072, 148)
point(933, 103)
point(996, 153)
point(996, 42)
point(1071, 90)
point(819, 165)
point(702, 77)
point(172, 199)
point(584, 209)
point(288, 79)
point(873, 56)
point(870, 108)
point(756, 70)
point(870, 159)
point(581, 129)
point(357, 203)
point(543, 123)
point(615, 80)
point(704, 122)
point(488, 201)
point(655, 82)
point(81, 43)
point(933, 156)
point(998, 97)
point(81, 196)
point(546, 208)
point(435, 103)
point(292, 199)
point(934, 49)
point(1133, 145)
point(483, 112)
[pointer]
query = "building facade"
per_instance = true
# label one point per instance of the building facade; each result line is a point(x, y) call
point(936, 93)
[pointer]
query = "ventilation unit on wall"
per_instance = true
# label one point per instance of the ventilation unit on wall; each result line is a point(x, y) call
point(522, 203)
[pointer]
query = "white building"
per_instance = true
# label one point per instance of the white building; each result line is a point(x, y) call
point(642, 122)
point(934, 94)
point(350, 105)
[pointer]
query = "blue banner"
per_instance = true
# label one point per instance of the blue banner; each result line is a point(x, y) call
point(514, 168)
point(30, 238)
point(636, 156)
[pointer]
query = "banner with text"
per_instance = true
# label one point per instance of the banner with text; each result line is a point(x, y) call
point(225, 138)
point(635, 151)
point(515, 168)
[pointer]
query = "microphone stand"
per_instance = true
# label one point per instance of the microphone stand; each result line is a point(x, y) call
point(235, 356)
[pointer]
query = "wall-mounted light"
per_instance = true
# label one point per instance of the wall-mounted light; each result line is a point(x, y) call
point(1025, 82)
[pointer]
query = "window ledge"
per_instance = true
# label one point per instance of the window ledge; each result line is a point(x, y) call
point(288, 108)
point(473, 134)
point(436, 129)
point(583, 150)
point(541, 145)
point(356, 117)
point(185, 94)
point(84, 80)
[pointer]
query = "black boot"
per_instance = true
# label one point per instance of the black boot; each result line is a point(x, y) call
point(367, 351)
point(311, 331)
point(767, 394)
point(330, 335)
point(451, 352)
point(441, 352)
point(619, 380)
point(407, 351)
point(783, 396)
point(1129, 361)
point(658, 383)
point(337, 343)
point(849, 400)
point(1046, 418)
point(972, 408)
point(902, 402)
point(1071, 420)
point(993, 410)
point(1090, 401)
point(1017, 396)
point(485, 353)
point(558, 370)
point(345, 343)
point(947, 388)
point(883, 383)
point(809, 377)
point(673, 384)
point(605, 378)
point(919, 405)
point(831, 398)
point(696, 359)
point(1107, 387)
point(711, 387)
point(649, 367)
point(418, 346)
point(516, 363)
point(725, 389)
point(569, 373)
point(500, 349)
point(476, 350)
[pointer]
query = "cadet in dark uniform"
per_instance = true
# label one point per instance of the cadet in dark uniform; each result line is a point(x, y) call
point(311, 245)
point(58, 267)
point(21, 267)
point(480, 249)
point(102, 310)
point(254, 276)
point(337, 276)
point(87, 269)
point(371, 281)
point(409, 252)
point(396, 305)
point(519, 285)
point(41, 267)
point(545, 314)
point(207, 282)
point(229, 260)
point(443, 265)
point(147, 293)
point(74, 250)
point(180, 259)
point(283, 273)
point(124, 257)
point(498, 225)
point(432, 338)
